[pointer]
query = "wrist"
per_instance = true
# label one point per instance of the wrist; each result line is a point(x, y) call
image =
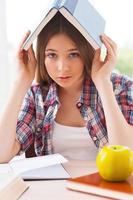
point(104, 84)
point(23, 79)
point(22, 82)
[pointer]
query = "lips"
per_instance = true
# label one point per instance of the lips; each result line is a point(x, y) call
point(64, 77)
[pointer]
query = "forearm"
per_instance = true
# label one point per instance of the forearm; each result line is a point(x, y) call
point(9, 116)
point(119, 131)
point(26, 67)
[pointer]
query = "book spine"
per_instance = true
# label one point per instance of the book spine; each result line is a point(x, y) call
point(54, 4)
point(57, 3)
point(70, 5)
point(61, 3)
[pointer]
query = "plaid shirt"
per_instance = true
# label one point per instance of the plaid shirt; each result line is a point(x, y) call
point(37, 114)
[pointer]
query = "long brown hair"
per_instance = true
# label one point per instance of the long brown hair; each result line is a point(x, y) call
point(60, 25)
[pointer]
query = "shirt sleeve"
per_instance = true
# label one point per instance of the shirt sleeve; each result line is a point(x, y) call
point(25, 129)
point(124, 94)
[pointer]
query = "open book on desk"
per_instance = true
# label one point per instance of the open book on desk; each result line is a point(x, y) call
point(48, 173)
point(42, 167)
point(12, 186)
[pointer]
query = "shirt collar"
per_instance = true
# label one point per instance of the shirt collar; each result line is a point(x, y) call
point(52, 95)
point(89, 93)
point(88, 96)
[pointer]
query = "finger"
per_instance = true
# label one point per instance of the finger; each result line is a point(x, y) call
point(31, 53)
point(110, 56)
point(22, 54)
point(24, 39)
point(113, 45)
point(97, 55)
point(109, 48)
point(106, 36)
point(111, 42)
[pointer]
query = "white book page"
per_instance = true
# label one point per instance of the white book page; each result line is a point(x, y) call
point(5, 168)
point(22, 165)
point(5, 179)
point(51, 172)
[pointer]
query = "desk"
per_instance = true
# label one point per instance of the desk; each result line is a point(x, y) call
point(56, 189)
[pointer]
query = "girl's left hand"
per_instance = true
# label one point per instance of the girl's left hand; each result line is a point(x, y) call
point(101, 70)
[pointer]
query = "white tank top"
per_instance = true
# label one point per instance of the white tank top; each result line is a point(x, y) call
point(73, 142)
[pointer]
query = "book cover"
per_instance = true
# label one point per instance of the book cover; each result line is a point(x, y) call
point(85, 18)
point(95, 185)
point(81, 14)
point(44, 14)
point(12, 186)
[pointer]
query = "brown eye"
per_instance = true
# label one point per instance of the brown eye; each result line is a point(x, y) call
point(74, 55)
point(51, 55)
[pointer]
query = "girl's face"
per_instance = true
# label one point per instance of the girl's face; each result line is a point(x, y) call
point(63, 61)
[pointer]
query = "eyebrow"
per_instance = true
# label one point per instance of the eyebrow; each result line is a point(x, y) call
point(57, 51)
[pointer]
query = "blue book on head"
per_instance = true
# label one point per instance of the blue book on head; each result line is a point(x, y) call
point(80, 13)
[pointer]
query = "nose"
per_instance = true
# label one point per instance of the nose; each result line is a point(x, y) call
point(62, 65)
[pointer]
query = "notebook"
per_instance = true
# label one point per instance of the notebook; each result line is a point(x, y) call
point(94, 184)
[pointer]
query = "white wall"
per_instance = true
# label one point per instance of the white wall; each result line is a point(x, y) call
point(4, 75)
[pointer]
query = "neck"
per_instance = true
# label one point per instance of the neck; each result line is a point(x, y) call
point(75, 89)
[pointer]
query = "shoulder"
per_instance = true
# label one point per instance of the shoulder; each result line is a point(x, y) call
point(37, 90)
point(35, 87)
point(119, 79)
point(123, 86)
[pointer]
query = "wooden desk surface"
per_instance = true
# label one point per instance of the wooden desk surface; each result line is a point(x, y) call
point(56, 189)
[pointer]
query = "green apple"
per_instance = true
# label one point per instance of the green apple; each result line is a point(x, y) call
point(115, 162)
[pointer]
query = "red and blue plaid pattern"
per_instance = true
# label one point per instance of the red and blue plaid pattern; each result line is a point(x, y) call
point(37, 114)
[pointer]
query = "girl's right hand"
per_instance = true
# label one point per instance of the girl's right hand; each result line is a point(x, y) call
point(26, 61)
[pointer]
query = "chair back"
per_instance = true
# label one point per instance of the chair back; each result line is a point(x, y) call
point(30, 152)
